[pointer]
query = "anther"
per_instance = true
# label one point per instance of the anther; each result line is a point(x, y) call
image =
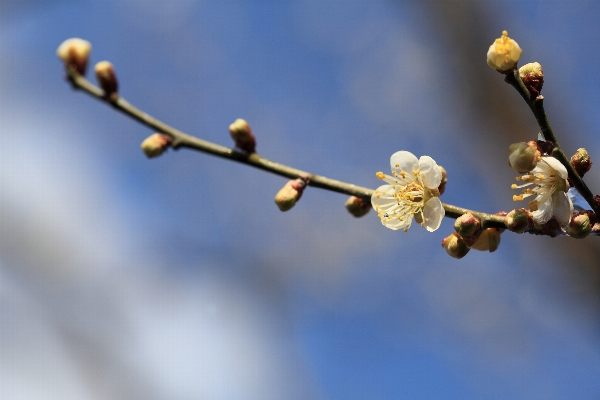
point(533, 205)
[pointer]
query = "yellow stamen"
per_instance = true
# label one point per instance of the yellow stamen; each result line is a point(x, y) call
point(380, 175)
point(513, 186)
point(533, 205)
point(516, 198)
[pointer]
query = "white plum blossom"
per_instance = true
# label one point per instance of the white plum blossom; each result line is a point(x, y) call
point(548, 182)
point(504, 53)
point(411, 192)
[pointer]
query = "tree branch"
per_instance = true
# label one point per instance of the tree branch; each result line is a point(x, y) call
point(181, 139)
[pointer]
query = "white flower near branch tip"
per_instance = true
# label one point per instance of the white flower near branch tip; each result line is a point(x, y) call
point(411, 192)
point(549, 180)
point(504, 53)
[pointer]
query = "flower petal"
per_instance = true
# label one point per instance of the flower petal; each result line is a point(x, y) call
point(396, 224)
point(433, 213)
point(543, 213)
point(556, 165)
point(563, 208)
point(404, 161)
point(383, 197)
point(430, 172)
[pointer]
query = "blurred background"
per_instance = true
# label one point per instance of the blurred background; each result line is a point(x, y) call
point(178, 277)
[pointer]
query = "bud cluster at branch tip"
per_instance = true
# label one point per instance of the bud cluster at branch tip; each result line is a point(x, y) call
point(74, 53)
point(581, 161)
point(241, 133)
point(533, 78)
point(504, 53)
point(523, 157)
point(357, 206)
point(290, 193)
point(469, 234)
point(105, 74)
point(156, 144)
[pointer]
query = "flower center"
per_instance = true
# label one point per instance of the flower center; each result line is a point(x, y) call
point(542, 183)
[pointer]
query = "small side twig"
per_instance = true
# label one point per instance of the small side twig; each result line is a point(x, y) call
point(537, 108)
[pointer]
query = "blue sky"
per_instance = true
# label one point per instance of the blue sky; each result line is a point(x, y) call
point(177, 277)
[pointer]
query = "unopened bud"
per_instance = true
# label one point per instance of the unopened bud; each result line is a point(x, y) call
point(467, 225)
point(455, 245)
point(357, 206)
point(518, 220)
point(105, 74)
point(289, 194)
point(489, 240)
point(241, 133)
point(523, 157)
point(75, 52)
point(156, 144)
point(581, 161)
point(533, 77)
point(504, 53)
point(442, 186)
point(580, 226)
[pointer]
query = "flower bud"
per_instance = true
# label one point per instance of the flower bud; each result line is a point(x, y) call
point(241, 133)
point(75, 52)
point(581, 161)
point(455, 245)
point(156, 144)
point(105, 74)
point(580, 225)
point(442, 186)
point(523, 157)
point(504, 53)
point(533, 77)
point(290, 193)
point(518, 220)
point(357, 206)
point(467, 224)
point(489, 240)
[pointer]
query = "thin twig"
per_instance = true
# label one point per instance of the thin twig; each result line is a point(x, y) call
point(537, 108)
